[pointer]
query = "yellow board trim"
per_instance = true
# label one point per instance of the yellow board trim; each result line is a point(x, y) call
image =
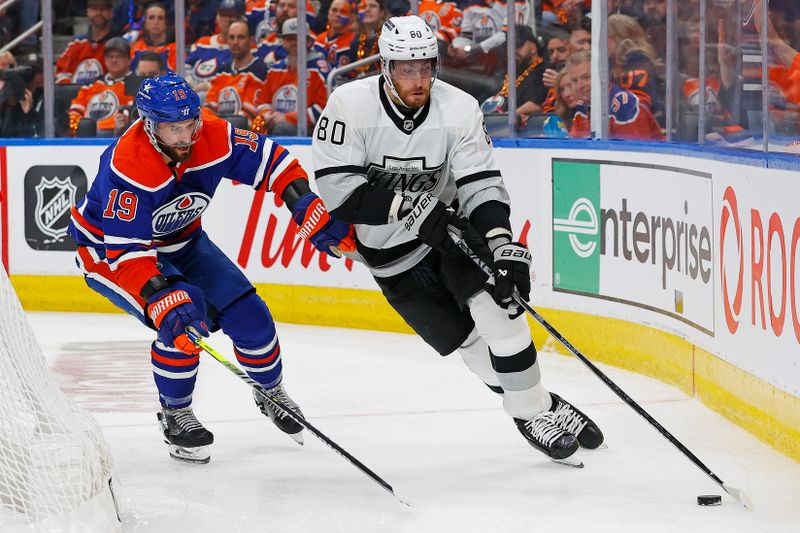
point(767, 412)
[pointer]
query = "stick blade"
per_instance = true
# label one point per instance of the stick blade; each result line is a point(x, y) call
point(739, 496)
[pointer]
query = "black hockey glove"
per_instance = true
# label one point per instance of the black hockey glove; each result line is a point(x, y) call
point(512, 265)
point(428, 220)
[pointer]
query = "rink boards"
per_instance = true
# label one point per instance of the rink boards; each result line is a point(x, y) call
point(674, 263)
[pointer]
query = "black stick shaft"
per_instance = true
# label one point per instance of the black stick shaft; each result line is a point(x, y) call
point(195, 338)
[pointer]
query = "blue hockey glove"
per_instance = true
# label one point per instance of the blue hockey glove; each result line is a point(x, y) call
point(172, 311)
point(318, 226)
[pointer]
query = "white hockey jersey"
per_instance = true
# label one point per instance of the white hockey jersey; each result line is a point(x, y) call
point(442, 148)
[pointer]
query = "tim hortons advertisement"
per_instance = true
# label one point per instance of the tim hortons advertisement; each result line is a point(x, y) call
point(636, 234)
point(759, 271)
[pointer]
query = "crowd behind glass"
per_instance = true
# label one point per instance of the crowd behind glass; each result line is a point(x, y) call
point(693, 75)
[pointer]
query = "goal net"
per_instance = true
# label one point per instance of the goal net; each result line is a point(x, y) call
point(55, 466)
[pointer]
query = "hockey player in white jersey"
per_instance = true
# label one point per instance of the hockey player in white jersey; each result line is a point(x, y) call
point(392, 154)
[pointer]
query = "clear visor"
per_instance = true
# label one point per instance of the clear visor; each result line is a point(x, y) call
point(178, 134)
point(413, 70)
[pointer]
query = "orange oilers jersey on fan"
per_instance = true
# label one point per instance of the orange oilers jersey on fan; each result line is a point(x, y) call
point(280, 93)
point(167, 50)
point(235, 94)
point(101, 101)
point(82, 61)
point(336, 48)
point(138, 206)
point(443, 17)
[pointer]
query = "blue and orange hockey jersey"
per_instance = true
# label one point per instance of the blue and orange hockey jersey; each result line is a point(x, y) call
point(138, 205)
point(629, 117)
point(207, 57)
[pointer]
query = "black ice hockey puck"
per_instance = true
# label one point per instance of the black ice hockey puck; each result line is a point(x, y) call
point(709, 499)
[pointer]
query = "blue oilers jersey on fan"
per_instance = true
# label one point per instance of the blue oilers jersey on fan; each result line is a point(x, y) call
point(138, 205)
point(206, 59)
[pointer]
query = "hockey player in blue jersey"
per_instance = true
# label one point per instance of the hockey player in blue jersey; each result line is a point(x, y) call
point(142, 246)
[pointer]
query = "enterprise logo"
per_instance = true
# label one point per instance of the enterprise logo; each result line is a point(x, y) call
point(575, 226)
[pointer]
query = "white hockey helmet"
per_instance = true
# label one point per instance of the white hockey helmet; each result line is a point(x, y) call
point(407, 39)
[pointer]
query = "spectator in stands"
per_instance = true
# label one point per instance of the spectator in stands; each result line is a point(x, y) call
point(156, 35)
point(565, 100)
point(785, 76)
point(82, 61)
point(279, 110)
point(129, 16)
point(7, 60)
point(635, 65)
point(580, 38)
point(371, 16)
point(200, 18)
point(654, 22)
point(151, 65)
point(260, 15)
point(240, 42)
point(531, 92)
point(210, 52)
point(270, 48)
point(629, 117)
point(557, 43)
point(334, 43)
point(564, 12)
point(479, 46)
point(444, 18)
point(105, 100)
point(22, 97)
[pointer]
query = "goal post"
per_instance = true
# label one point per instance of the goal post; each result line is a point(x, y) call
point(55, 466)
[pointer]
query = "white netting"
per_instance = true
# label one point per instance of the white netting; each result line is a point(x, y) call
point(54, 462)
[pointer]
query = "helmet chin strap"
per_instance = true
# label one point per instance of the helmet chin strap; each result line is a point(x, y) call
point(149, 129)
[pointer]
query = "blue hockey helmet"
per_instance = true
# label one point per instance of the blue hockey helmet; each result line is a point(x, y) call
point(167, 98)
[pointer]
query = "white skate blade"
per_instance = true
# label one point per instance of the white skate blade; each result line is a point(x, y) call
point(603, 446)
point(572, 461)
point(298, 437)
point(198, 455)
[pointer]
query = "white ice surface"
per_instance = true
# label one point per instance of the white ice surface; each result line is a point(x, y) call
point(423, 423)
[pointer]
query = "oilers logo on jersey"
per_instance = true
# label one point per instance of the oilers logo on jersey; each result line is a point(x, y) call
point(485, 27)
point(405, 174)
point(179, 213)
point(102, 105)
point(285, 99)
point(206, 69)
point(229, 101)
point(88, 70)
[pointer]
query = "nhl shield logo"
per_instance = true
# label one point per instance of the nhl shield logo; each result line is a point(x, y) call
point(50, 192)
point(54, 198)
point(408, 124)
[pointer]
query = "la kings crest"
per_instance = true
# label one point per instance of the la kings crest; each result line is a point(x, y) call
point(405, 174)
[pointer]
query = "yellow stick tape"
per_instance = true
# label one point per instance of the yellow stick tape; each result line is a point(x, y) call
point(765, 411)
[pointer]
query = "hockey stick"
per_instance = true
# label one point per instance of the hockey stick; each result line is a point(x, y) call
point(275, 402)
point(736, 494)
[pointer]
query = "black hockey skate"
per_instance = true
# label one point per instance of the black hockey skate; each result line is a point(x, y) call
point(278, 416)
point(186, 438)
point(543, 433)
point(570, 419)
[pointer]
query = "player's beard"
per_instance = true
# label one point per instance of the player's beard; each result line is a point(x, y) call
point(415, 97)
point(178, 156)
